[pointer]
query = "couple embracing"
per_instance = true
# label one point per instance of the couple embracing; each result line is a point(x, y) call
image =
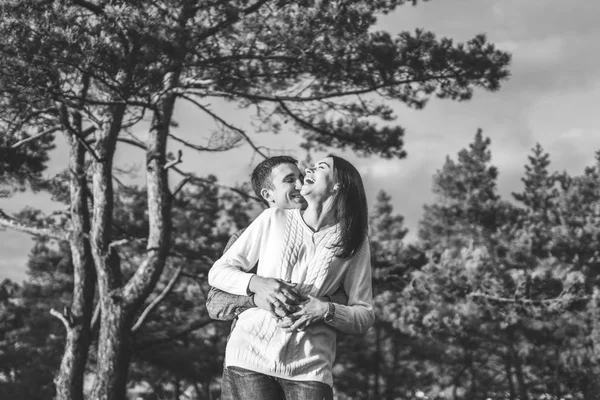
point(296, 276)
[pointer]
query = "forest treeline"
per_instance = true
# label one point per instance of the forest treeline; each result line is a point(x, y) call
point(496, 299)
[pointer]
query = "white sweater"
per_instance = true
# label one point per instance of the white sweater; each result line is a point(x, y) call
point(288, 249)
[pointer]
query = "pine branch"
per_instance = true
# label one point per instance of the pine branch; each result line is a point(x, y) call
point(310, 126)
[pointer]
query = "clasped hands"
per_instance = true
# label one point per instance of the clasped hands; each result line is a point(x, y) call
point(293, 310)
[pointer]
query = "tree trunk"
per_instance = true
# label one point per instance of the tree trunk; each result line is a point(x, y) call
point(523, 392)
point(391, 375)
point(377, 361)
point(120, 302)
point(509, 378)
point(114, 351)
point(69, 380)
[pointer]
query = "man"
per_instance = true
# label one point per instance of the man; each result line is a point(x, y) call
point(277, 182)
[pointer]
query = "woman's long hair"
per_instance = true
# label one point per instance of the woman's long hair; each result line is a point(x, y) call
point(351, 208)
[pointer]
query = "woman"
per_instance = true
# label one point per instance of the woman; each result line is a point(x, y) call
point(318, 249)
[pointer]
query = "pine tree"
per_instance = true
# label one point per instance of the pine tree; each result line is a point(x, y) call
point(468, 209)
point(539, 196)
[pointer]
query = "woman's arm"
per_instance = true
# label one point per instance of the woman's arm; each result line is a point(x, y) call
point(358, 315)
point(355, 317)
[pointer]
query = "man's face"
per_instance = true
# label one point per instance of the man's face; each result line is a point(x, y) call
point(287, 181)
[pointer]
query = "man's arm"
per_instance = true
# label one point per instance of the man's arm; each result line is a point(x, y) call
point(225, 306)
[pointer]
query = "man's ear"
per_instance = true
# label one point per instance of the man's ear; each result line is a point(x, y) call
point(267, 195)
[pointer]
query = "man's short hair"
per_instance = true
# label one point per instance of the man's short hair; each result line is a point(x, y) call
point(261, 176)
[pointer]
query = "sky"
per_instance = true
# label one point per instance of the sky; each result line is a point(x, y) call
point(551, 98)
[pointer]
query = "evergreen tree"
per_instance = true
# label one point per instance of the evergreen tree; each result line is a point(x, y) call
point(468, 209)
point(539, 197)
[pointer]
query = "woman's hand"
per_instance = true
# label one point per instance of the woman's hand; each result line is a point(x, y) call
point(311, 311)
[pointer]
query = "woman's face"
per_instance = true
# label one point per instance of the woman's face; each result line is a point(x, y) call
point(319, 180)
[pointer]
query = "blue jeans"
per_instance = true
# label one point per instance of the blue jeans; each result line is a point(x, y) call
point(242, 384)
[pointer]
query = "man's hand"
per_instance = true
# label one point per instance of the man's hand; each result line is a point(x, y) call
point(275, 295)
point(274, 308)
point(311, 311)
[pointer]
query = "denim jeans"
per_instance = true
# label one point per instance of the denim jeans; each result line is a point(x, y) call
point(242, 384)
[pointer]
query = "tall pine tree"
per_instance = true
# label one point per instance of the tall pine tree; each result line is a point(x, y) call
point(467, 208)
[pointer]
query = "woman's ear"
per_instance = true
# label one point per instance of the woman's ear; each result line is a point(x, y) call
point(336, 187)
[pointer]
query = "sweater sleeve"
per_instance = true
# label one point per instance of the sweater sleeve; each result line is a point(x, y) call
point(230, 272)
point(226, 306)
point(358, 315)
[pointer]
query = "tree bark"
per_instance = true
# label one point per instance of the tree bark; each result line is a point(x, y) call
point(69, 380)
point(114, 351)
point(113, 355)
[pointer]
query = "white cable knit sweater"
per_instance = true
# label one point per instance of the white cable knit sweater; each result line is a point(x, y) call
point(288, 249)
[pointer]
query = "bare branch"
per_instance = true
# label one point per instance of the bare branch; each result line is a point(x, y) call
point(174, 162)
point(65, 120)
point(95, 318)
point(12, 223)
point(225, 123)
point(157, 300)
point(180, 186)
point(37, 135)
point(119, 242)
point(62, 317)
point(88, 5)
point(19, 124)
point(194, 178)
point(191, 177)
point(525, 301)
point(197, 147)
